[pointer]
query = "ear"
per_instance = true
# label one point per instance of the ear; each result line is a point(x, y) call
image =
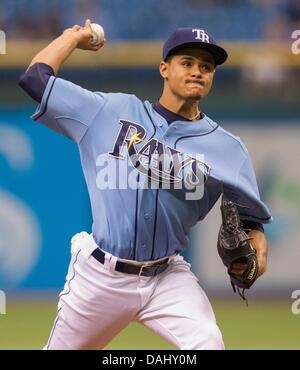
point(163, 69)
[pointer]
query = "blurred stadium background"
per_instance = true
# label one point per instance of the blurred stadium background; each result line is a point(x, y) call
point(255, 96)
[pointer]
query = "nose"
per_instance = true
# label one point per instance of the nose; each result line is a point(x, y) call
point(196, 71)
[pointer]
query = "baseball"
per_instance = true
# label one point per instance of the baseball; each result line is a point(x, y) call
point(98, 34)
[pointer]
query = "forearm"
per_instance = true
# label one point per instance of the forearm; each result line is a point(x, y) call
point(49, 60)
point(57, 52)
point(60, 49)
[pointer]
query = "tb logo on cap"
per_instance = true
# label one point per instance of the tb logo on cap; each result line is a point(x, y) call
point(201, 35)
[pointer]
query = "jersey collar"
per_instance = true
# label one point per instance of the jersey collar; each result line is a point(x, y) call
point(168, 115)
point(181, 126)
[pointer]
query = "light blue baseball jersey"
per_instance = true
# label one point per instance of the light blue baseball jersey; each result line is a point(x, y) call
point(118, 136)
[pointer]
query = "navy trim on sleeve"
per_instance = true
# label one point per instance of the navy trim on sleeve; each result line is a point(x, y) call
point(252, 225)
point(43, 107)
point(35, 79)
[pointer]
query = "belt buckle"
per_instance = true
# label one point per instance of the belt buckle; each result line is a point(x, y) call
point(154, 266)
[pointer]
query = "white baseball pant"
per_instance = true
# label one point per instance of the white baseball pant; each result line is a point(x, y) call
point(97, 302)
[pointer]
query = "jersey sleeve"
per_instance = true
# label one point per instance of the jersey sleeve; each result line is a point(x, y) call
point(68, 108)
point(35, 79)
point(251, 207)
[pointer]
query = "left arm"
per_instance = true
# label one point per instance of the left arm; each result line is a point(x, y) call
point(260, 243)
point(246, 181)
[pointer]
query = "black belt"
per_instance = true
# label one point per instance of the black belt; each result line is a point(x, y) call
point(143, 270)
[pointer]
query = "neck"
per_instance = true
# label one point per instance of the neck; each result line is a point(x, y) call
point(186, 108)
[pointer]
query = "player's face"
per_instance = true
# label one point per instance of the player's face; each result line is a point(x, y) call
point(189, 74)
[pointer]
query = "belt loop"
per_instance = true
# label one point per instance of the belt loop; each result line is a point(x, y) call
point(107, 259)
point(112, 263)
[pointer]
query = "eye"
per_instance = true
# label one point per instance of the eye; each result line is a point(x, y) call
point(186, 64)
point(207, 67)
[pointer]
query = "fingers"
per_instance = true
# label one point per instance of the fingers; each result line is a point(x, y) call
point(76, 28)
point(87, 25)
point(86, 36)
point(238, 269)
point(98, 46)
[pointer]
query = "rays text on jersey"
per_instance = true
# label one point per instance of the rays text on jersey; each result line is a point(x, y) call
point(163, 165)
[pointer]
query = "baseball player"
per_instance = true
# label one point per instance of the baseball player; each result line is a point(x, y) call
point(130, 268)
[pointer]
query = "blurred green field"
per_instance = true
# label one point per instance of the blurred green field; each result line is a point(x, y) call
point(263, 325)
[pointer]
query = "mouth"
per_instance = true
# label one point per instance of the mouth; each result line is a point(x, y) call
point(195, 83)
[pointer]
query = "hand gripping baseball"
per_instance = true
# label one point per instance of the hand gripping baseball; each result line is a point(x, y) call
point(84, 36)
point(235, 249)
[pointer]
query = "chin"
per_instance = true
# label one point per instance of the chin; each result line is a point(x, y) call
point(194, 96)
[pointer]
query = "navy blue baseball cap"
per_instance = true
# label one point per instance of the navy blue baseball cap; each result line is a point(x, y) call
point(194, 37)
